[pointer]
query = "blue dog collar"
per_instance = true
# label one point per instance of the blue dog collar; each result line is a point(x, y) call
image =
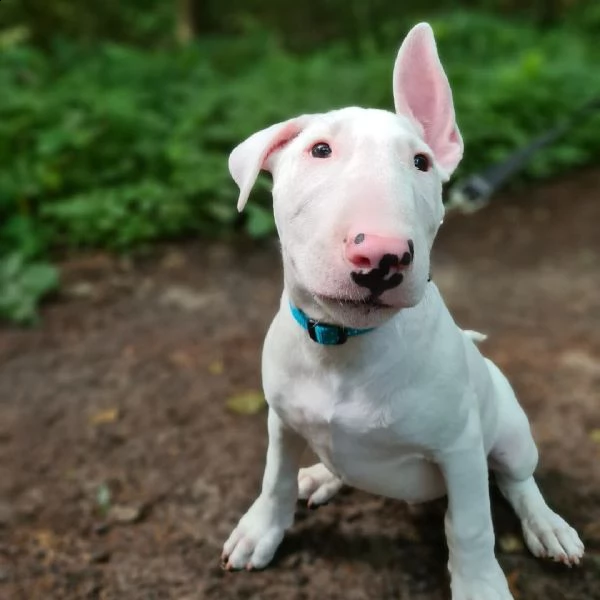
point(324, 333)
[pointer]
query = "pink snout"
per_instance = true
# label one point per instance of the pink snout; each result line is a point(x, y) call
point(368, 251)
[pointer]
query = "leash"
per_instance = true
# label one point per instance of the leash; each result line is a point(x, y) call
point(474, 192)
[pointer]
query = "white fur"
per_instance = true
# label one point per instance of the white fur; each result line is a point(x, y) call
point(411, 410)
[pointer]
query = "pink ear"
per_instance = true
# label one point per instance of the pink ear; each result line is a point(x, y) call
point(253, 154)
point(422, 91)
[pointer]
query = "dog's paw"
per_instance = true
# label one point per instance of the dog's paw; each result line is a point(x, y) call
point(549, 535)
point(317, 485)
point(485, 585)
point(257, 536)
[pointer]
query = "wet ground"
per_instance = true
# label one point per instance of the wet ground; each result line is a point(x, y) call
point(122, 469)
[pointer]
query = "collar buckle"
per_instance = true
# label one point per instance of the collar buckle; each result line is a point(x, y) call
point(324, 334)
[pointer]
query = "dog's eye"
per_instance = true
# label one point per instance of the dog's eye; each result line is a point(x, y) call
point(321, 150)
point(422, 162)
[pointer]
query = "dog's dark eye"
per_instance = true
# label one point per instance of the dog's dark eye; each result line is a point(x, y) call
point(321, 150)
point(421, 162)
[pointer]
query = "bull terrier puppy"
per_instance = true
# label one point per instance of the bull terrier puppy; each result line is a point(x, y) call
point(363, 362)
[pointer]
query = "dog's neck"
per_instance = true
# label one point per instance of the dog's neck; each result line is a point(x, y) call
point(301, 298)
point(403, 334)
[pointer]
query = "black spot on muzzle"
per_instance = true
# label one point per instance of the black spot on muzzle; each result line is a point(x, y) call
point(376, 280)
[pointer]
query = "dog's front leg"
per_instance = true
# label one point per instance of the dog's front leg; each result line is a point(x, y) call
point(475, 572)
point(253, 542)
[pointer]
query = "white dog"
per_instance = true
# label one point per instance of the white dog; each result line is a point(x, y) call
point(363, 361)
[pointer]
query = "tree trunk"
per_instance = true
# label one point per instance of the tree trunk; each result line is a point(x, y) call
point(185, 30)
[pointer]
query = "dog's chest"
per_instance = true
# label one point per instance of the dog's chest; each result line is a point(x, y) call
point(353, 428)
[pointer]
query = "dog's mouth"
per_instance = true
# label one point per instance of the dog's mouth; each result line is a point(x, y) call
point(368, 302)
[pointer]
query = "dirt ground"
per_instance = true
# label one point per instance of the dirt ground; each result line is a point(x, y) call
point(122, 470)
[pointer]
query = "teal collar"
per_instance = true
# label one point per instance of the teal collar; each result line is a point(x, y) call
point(324, 333)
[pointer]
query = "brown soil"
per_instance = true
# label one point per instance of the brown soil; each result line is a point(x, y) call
point(124, 387)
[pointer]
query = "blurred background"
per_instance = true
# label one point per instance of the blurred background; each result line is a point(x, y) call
point(134, 299)
point(116, 121)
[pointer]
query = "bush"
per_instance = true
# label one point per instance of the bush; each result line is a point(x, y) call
point(115, 147)
point(135, 21)
point(22, 285)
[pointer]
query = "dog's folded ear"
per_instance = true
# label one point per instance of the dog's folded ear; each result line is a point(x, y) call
point(257, 153)
point(422, 92)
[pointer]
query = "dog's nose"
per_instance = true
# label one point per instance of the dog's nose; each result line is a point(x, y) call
point(369, 251)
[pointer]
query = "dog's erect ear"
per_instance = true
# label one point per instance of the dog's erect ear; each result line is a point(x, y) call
point(256, 153)
point(422, 91)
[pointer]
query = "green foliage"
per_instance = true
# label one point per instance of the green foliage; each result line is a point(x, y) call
point(134, 21)
point(113, 147)
point(152, 23)
point(22, 285)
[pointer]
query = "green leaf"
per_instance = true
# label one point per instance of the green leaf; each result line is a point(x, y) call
point(260, 221)
point(246, 403)
point(103, 499)
point(37, 279)
point(22, 286)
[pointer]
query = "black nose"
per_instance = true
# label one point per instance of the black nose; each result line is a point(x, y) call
point(377, 280)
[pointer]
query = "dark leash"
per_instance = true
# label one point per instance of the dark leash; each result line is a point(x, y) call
point(474, 191)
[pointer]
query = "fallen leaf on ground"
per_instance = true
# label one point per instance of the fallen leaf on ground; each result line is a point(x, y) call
point(125, 514)
point(595, 436)
point(182, 359)
point(510, 544)
point(45, 539)
point(47, 542)
point(592, 531)
point(216, 367)
point(582, 361)
point(81, 289)
point(103, 498)
point(173, 260)
point(109, 415)
point(185, 298)
point(246, 403)
point(513, 578)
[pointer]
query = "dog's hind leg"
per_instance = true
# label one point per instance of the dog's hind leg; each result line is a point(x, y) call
point(513, 458)
point(317, 485)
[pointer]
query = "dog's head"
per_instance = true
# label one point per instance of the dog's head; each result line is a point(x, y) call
point(358, 192)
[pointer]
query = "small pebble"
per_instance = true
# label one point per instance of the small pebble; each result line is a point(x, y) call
point(101, 528)
point(100, 557)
